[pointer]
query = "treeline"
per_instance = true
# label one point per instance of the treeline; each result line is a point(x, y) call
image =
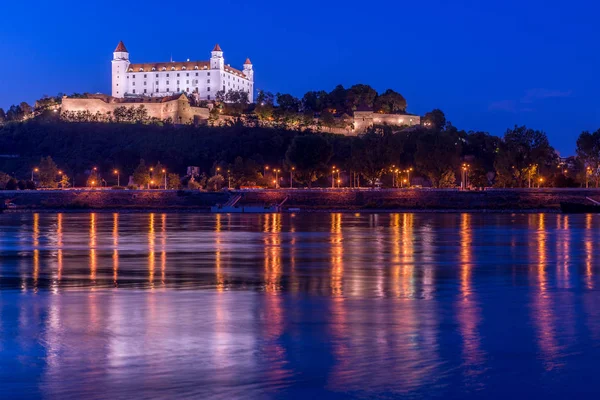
point(437, 153)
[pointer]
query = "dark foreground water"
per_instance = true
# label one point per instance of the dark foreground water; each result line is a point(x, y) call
point(168, 306)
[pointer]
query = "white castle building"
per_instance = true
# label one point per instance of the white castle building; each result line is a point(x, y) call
point(204, 78)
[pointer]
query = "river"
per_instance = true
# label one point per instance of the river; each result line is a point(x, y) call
point(169, 306)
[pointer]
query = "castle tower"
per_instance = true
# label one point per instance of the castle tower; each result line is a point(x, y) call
point(120, 63)
point(248, 71)
point(216, 58)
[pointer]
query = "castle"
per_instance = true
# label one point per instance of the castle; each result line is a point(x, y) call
point(201, 78)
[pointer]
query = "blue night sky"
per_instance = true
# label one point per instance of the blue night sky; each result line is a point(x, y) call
point(487, 64)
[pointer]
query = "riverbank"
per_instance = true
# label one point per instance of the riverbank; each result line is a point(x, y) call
point(300, 200)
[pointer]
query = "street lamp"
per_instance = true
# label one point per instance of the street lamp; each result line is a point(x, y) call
point(464, 178)
point(116, 172)
point(588, 171)
point(32, 171)
point(292, 177)
point(93, 183)
point(541, 180)
point(408, 175)
point(277, 171)
point(164, 172)
point(229, 179)
point(151, 183)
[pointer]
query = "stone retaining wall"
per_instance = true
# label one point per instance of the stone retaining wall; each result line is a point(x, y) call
point(107, 199)
point(316, 199)
point(423, 199)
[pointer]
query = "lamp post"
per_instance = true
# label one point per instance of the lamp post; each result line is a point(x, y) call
point(265, 169)
point(333, 177)
point(292, 177)
point(229, 179)
point(588, 171)
point(164, 172)
point(151, 184)
point(93, 183)
point(116, 172)
point(408, 175)
point(541, 180)
point(32, 171)
point(464, 179)
point(277, 178)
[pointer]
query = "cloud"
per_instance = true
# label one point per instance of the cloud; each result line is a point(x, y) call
point(530, 97)
point(503, 105)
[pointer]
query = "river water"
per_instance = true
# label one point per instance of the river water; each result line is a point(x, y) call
point(168, 306)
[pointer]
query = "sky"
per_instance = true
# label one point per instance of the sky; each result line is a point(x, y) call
point(489, 65)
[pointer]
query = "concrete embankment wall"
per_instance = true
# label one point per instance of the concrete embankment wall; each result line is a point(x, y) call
point(425, 199)
point(316, 199)
point(112, 199)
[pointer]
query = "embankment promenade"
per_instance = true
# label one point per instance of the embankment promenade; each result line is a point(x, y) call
point(518, 200)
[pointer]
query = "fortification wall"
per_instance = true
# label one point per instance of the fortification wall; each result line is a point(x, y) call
point(179, 111)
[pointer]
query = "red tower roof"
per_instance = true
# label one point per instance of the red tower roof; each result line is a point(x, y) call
point(217, 47)
point(248, 62)
point(121, 48)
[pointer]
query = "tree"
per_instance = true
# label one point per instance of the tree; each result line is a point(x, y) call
point(360, 95)
point(141, 175)
point(2, 116)
point(447, 180)
point(173, 181)
point(588, 150)
point(48, 172)
point(372, 154)
point(436, 154)
point(158, 176)
point(4, 178)
point(93, 179)
point(314, 102)
point(12, 184)
point(435, 120)
point(390, 102)
point(215, 183)
point(309, 154)
point(519, 152)
point(64, 181)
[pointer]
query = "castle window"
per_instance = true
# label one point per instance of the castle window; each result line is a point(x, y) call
point(208, 74)
point(187, 89)
point(145, 91)
point(177, 74)
point(167, 89)
point(208, 81)
point(208, 97)
point(178, 90)
point(156, 90)
point(133, 83)
point(208, 90)
point(133, 91)
point(196, 74)
point(167, 75)
point(144, 75)
point(167, 82)
point(144, 83)
point(188, 74)
point(133, 76)
point(178, 81)
point(187, 82)
point(157, 83)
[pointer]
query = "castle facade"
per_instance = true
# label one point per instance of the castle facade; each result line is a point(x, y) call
point(203, 79)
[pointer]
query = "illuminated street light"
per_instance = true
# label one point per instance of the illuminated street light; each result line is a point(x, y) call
point(292, 177)
point(164, 171)
point(32, 171)
point(116, 172)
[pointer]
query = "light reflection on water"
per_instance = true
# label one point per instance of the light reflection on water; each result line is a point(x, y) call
point(318, 305)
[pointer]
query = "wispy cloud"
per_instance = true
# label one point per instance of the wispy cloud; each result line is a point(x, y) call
point(531, 96)
point(503, 105)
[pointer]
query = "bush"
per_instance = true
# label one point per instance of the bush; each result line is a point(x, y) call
point(118, 187)
point(132, 187)
point(21, 185)
point(30, 185)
